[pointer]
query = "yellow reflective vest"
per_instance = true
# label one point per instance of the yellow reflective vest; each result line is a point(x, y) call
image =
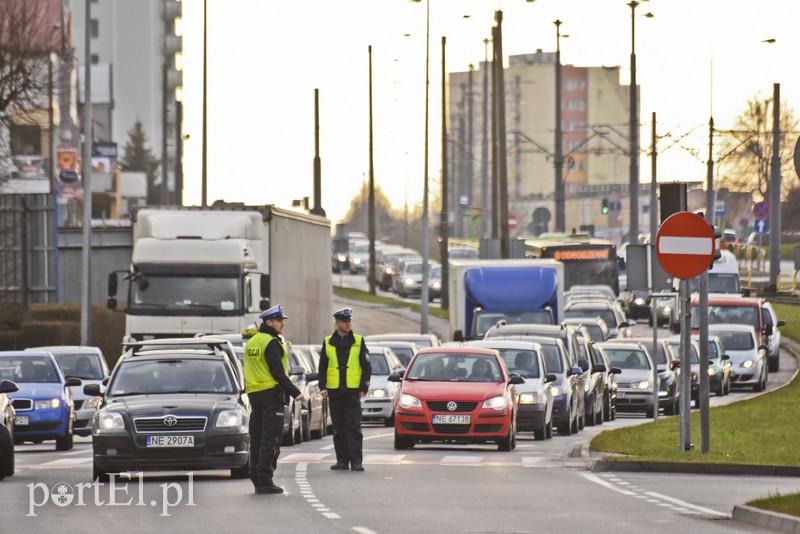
point(353, 377)
point(256, 371)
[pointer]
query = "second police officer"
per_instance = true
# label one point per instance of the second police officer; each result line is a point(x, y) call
point(344, 374)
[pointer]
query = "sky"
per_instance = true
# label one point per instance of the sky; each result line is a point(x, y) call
point(266, 58)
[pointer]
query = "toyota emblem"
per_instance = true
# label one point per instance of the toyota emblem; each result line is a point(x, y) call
point(170, 420)
point(451, 406)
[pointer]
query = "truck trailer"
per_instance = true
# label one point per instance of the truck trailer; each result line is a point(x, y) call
point(483, 292)
point(213, 270)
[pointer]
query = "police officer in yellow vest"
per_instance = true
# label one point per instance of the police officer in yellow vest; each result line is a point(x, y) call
point(344, 373)
point(266, 363)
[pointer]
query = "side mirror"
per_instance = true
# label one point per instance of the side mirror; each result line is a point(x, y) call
point(264, 292)
point(458, 335)
point(676, 363)
point(7, 386)
point(600, 368)
point(583, 364)
point(72, 381)
point(725, 357)
point(312, 376)
point(93, 390)
point(111, 303)
point(768, 330)
point(615, 371)
point(550, 377)
point(781, 323)
point(295, 370)
point(763, 347)
point(574, 371)
point(395, 377)
point(515, 379)
point(745, 292)
point(631, 322)
point(112, 284)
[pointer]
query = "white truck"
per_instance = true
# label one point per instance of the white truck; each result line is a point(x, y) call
point(212, 271)
point(483, 292)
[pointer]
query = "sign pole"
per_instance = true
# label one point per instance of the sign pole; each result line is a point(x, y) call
point(686, 369)
point(651, 253)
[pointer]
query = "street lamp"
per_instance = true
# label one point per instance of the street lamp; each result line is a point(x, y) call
point(423, 324)
point(559, 159)
point(633, 132)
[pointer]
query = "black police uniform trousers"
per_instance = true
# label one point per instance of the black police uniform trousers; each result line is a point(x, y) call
point(266, 433)
point(347, 436)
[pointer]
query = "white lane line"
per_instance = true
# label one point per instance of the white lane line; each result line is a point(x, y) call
point(79, 451)
point(685, 504)
point(380, 436)
point(474, 461)
point(597, 480)
point(363, 530)
point(61, 463)
point(331, 515)
point(531, 461)
point(384, 458)
point(304, 457)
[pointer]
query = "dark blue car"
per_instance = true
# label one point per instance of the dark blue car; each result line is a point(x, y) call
point(43, 404)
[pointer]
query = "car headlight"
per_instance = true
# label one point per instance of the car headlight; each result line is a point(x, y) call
point(46, 404)
point(110, 421)
point(409, 281)
point(341, 257)
point(356, 260)
point(377, 394)
point(229, 418)
point(93, 402)
point(747, 364)
point(711, 371)
point(667, 309)
point(389, 270)
point(529, 398)
point(495, 403)
point(436, 285)
point(409, 401)
point(643, 385)
point(639, 301)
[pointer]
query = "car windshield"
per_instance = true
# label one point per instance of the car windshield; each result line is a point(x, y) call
point(605, 314)
point(595, 332)
point(413, 268)
point(718, 283)
point(85, 366)
point(553, 361)
point(728, 315)
point(450, 367)
point(736, 340)
point(485, 320)
point(628, 358)
point(522, 362)
point(379, 364)
point(675, 349)
point(462, 254)
point(32, 369)
point(170, 376)
point(404, 354)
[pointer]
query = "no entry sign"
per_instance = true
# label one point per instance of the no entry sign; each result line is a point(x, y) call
point(685, 245)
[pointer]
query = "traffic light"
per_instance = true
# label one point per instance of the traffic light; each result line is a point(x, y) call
point(604, 209)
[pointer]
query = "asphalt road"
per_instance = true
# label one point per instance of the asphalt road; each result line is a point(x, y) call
point(538, 487)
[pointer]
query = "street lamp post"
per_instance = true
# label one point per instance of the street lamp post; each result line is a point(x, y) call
point(633, 133)
point(559, 159)
point(485, 219)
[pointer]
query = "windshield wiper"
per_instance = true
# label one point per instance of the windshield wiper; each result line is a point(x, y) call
point(206, 306)
point(153, 305)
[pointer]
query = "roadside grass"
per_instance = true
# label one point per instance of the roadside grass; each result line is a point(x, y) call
point(738, 432)
point(784, 504)
point(363, 296)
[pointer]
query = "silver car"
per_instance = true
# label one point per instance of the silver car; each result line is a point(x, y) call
point(378, 403)
point(89, 365)
point(535, 396)
point(771, 322)
point(635, 380)
point(748, 359)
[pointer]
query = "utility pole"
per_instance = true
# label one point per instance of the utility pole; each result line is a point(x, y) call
point(633, 133)
point(486, 216)
point(502, 174)
point(444, 220)
point(559, 159)
point(468, 149)
point(371, 205)
point(702, 304)
point(204, 172)
point(86, 170)
point(775, 193)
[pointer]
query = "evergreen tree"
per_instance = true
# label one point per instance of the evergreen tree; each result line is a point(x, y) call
point(138, 157)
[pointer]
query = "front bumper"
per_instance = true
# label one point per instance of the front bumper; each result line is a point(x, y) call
point(484, 426)
point(114, 453)
point(630, 400)
point(531, 417)
point(376, 408)
point(51, 423)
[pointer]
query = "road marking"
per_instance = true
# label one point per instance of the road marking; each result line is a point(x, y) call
point(363, 530)
point(592, 478)
point(531, 461)
point(75, 453)
point(61, 463)
point(685, 504)
point(384, 458)
point(472, 461)
point(304, 457)
point(331, 515)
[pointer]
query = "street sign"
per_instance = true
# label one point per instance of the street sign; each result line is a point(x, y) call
point(512, 221)
point(761, 210)
point(720, 208)
point(69, 191)
point(685, 245)
point(762, 226)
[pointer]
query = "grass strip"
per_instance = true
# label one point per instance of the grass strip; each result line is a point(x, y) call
point(784, 504)
point(363, 296)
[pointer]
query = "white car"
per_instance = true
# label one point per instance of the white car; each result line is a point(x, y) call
point(748, 359)
point(378, 403)
point(771, 321)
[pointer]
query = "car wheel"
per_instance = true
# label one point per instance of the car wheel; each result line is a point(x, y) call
point(565, 428)
point(775, 364)
point(289, 435)
point(606, 407)
point(507, 443)
point(6, 454)
point(761, 383)
point(241, 472)
point(98, 474)
point(581, 420)
point(574, 427)
point(648, 413)
point(541, 433)
point(389, 421)
point(64, 443)
point(548, 431)
point(598, 416)
point(721, 390)
point(401, 443)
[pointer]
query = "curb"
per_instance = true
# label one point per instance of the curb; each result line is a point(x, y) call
point(772, 521)
point(599, 466)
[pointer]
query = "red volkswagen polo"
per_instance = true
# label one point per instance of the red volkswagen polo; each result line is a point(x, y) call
point(456, 395)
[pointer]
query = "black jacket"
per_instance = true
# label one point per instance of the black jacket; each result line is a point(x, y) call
point(273, 353)
point(342, 345)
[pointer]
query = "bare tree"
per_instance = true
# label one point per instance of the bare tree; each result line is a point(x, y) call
point(29, 31)
point(746, 152)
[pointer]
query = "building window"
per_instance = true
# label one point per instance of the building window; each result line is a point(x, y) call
point(94, 28)
point(95, 59)
point(581, 105)
point(26, 140)
point(582, 85)
point(570, 85)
